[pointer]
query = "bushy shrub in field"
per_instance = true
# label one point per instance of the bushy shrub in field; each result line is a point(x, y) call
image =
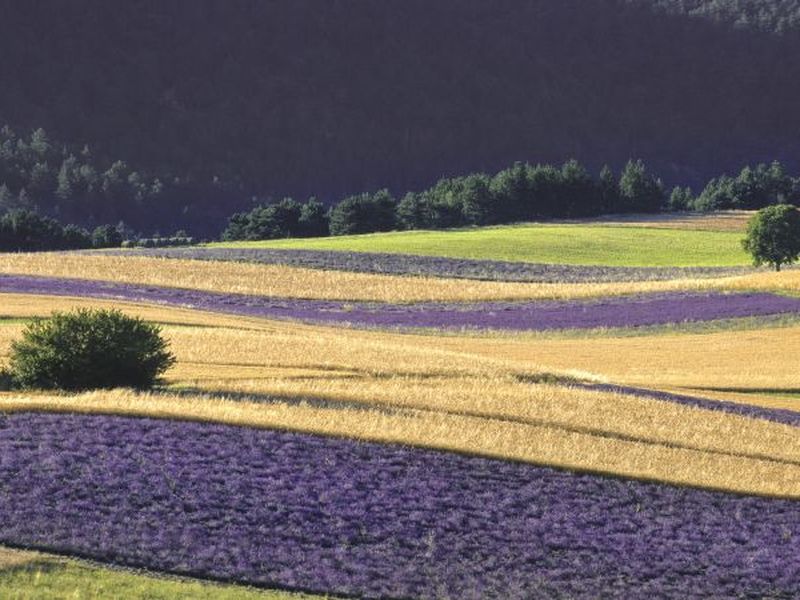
point(89, 349)
point(773, 235)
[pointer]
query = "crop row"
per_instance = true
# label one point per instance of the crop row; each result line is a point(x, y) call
point(428, 390)
point(435, 266)
point(329, 515)
point(635, 311)
point(295, 282)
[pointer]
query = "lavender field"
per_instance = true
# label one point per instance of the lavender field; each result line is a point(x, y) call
point(617, 312)
point(435, 266)
point(327, 515)
point(503, 466)
point(421, 300)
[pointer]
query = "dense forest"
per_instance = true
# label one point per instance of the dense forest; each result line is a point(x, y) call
point(172, 115)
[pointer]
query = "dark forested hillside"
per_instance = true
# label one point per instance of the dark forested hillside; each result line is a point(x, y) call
point(329, 97)
point(770, 16)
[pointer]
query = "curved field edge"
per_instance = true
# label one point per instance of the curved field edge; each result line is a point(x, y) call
point(25, 574)
point(429, 266)
point(616, 312)
point(424, 390)
point(82, 296)
point(461, 525)
point(290, 282)
point(333, 352)
point(774, 472)
point(571, 244)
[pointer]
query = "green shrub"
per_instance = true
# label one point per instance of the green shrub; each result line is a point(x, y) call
point(89, 349)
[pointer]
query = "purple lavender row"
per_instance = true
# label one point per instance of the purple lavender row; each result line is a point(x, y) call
point(630, 311)
point(776, 415)
point(328, 515)
point(434, 266)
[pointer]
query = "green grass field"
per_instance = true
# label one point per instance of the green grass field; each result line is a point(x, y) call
point(555, 244)
point(55, 580)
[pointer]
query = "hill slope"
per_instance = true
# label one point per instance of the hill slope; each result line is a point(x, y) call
point(305, 96)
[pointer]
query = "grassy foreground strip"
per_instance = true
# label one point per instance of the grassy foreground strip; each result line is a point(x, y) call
point(14, 558)
point(36, 576)
point(293, 282)
point(592, 244)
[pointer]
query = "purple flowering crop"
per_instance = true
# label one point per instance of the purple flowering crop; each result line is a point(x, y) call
point(337, 516)
point(776, 415)
point(434, 266)
point(631, 311)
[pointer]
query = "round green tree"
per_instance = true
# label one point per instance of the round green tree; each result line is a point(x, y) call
point(89, 349)
point(773, 235)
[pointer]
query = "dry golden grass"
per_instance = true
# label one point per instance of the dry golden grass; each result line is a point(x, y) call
point(290, 282)
point(534, 443)
point(24, 306)
point(459, 394)
point(726, 220)
point(753, 359)
point(788, 400)
point(15, 558)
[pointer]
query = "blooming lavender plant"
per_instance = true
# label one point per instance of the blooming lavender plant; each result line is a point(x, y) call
point(627, 311)
point(776, 415)
point(435, 266)
point(329, 515)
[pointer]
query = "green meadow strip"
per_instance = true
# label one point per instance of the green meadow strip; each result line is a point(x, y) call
point(555, 244)
point(55, 579)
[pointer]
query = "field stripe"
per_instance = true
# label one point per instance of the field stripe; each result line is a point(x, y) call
point(289, 510)
point(291, 282)
point(635, 311)
point(776, 415)
point(430, 266)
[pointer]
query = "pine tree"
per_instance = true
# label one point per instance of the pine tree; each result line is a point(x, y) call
point(6, 199)
point(609, 190)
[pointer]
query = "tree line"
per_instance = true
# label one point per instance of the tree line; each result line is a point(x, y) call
point(26, 230)
point(522, 192)
point(44, 184)
point(302, 97)
point(73, 185)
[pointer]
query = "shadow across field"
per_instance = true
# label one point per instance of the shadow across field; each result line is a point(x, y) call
point(332, 403)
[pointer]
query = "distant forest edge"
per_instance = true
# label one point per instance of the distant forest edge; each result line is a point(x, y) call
point(212, 104)
point(44, 184)
point(522, 192)
point(770, 16)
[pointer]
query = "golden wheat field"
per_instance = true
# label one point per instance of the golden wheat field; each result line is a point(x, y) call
point(426, 391)
point(724, 220)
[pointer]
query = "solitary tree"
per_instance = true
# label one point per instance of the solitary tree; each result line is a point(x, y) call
point(773, 235)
